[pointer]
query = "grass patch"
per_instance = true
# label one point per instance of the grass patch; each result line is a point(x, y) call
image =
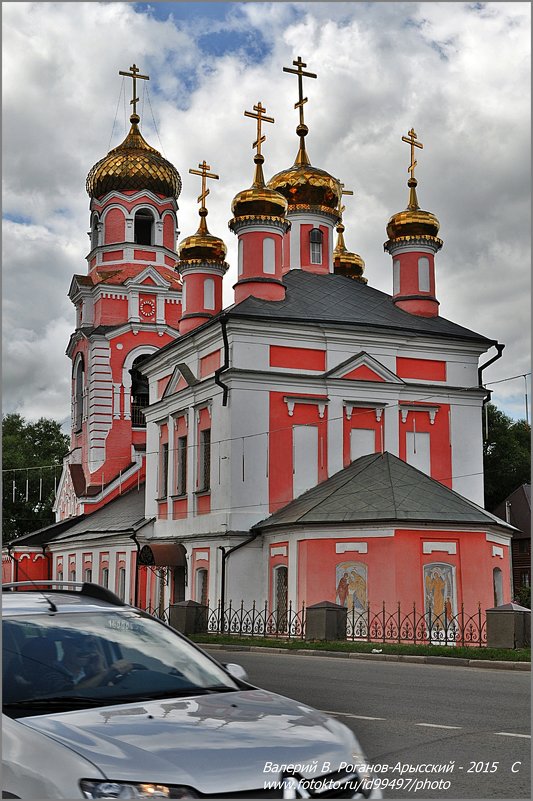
point(470, 652)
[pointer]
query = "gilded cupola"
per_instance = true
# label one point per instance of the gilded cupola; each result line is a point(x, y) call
point(413, 221)
point(303, 185)
point(202, 246)
point(259, 200)
point(345, 262)
point(134, 165)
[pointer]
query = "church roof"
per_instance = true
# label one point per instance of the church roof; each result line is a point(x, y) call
point(338, 300)
point(381, 488)
point(123, 515)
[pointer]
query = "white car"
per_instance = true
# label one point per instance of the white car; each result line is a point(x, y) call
point(101, 700)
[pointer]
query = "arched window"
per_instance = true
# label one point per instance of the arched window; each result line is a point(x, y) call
point(139, 392)
point(201, 586)
point(280, 596)
point(144, 227)
point(240, 257)
point(79, 381)
point(423, 274)
point(209, 293)
point(94, 233)
point(269, 255)
point(315, 240)
point(497, 581)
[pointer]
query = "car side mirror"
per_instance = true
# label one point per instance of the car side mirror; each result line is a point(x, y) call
point(237, 671)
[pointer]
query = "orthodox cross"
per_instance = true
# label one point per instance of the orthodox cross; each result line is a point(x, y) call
point(343, 192)
point(260, 119)
point(410, 139)
point(299, 64)
point(134, 74)
point(204, 172)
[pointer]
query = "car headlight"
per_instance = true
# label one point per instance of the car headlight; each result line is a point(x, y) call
point(124, 790)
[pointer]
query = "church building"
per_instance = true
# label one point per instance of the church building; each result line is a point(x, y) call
point(317, 440)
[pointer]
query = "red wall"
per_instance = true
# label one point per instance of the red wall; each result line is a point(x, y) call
point(440, 446)
point(429, 369)
point(300, 358)
point(280, 458)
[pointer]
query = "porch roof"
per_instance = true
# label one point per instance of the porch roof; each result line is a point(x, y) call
point(381, 488)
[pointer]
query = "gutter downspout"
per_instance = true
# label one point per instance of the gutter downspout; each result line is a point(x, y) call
point(225, 365)
point(480, 369)
point(225, 556)
point(136, 583)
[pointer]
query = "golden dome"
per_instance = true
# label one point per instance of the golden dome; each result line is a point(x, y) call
point(133, 165)
point(346, 263)
point(305, 185)
point(413, 221)
point(259, 199)
point(201, 246)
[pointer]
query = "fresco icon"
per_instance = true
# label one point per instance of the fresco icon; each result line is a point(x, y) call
point(351, 584)
point(440, 594)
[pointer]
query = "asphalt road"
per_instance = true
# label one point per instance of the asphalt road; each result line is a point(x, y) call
point(400, 713)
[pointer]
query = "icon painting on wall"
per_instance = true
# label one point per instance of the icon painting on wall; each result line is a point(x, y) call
point(439, 594)
point(351, 583)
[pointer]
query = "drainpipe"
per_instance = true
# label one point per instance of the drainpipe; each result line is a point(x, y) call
point(225, 556)
point(480, 369)
point(136, 583)
point(15, 564)
point(225, 365)
point(508, 520)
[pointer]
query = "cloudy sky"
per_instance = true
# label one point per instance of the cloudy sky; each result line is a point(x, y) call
point(458, 72)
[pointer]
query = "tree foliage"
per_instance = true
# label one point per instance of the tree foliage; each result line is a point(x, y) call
point(32, 463)
point(506, 456)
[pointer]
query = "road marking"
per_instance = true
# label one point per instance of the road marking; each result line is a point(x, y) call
point(511, 734)
point(437, 726)
point(349, 715)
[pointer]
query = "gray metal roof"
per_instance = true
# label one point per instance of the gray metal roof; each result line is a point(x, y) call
point(378, 488)
point(121, 515)
point(339, 300)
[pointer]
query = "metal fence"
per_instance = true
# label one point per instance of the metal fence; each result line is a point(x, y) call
point(373, 624)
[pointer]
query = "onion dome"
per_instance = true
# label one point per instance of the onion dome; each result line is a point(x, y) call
point(304, 185)
point(346, 263)
point(259, 200)
point(132, 166)
point(413, 221)
point(201, 246)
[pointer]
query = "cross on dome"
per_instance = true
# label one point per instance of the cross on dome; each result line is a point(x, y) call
point(299, 64)
point(260, 118)
point(204, 172)
point(343, 192)
point(134, 74)
point(410, 139)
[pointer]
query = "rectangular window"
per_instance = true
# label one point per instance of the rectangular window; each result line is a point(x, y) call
point(88, 575)
point(181, 482)
point(362, 442)
point(524, 578)
point(418, 452)
point(305, 458)
point(316, 252)
point(163, 470)
point(523, 546)
point(122, 583)
point(205, 460)
point(105, 577)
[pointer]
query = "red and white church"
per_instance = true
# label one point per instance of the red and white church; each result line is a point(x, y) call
point(316, 440)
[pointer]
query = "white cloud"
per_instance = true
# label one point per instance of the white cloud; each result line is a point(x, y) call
point(457, 72)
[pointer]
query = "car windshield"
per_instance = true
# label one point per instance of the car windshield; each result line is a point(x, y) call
point(108, 657)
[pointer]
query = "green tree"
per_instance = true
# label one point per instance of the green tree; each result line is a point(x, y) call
point(32, 461)
point(506, 456)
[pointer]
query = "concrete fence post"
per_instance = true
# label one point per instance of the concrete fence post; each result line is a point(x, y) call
point(326, 621)
point(188, 617)
point(508, 626)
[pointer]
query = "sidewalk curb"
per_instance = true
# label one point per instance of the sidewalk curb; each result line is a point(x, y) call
point(425, 660)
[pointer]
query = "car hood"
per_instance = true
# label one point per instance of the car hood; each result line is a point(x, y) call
point(214, 743)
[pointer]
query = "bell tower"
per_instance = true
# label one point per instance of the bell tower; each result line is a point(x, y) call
point(128, 305)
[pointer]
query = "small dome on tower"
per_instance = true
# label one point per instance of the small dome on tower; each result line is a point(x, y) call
point(259, 200)
point(202, 245)
point(133, 165)
point(346, 263)
point(413, 221)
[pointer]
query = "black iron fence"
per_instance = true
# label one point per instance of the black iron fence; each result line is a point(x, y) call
point(377, 624)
